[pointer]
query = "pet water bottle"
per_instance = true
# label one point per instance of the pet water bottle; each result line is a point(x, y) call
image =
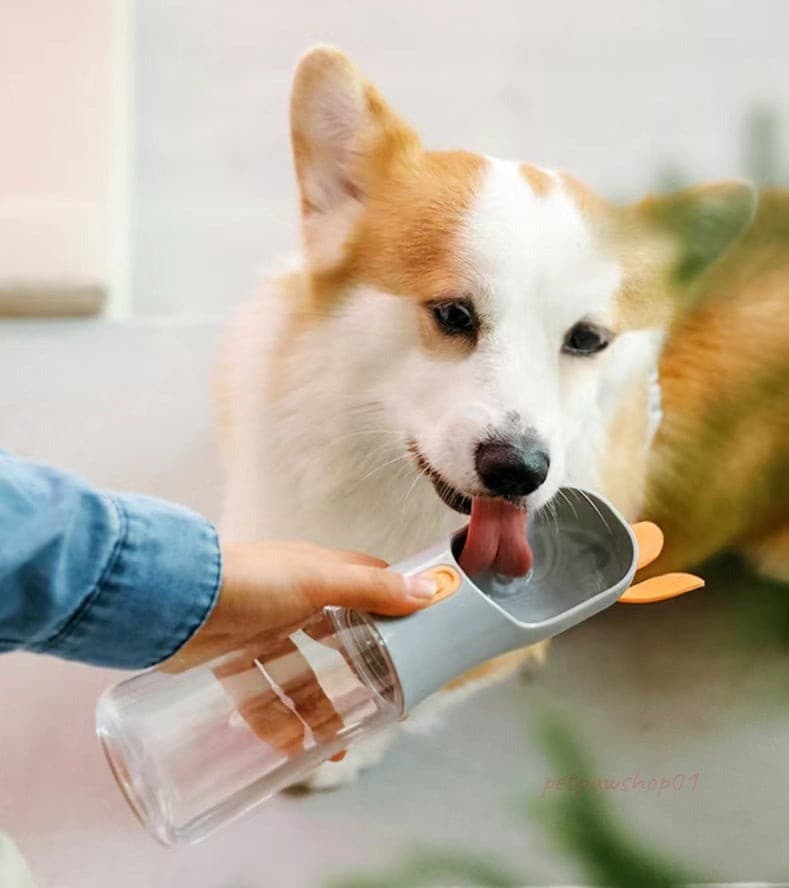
point(193, 749)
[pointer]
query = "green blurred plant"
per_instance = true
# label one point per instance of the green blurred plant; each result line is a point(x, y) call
point(762, 156)
point(430, 867)
point(759, 618)
point(761, 152)
point(582, 825)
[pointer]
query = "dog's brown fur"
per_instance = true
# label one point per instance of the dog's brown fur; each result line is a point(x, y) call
point(718, 475)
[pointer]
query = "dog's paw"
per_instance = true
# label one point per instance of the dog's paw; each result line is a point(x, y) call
point(332, 775)
point(770, 556)
point(532, 664)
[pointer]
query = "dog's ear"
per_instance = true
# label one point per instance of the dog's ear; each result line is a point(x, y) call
point(700, 223)
point(343, 134)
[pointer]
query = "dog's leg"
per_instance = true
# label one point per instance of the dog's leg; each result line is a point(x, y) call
point(364, 755)
point(425, 717)
point(770, 555)
point(528, 659)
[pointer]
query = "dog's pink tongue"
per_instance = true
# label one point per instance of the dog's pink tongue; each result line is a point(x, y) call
point(496, 539)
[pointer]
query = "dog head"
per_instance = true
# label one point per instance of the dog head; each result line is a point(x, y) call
point(493, 308)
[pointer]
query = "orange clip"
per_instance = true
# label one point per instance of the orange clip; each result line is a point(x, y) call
point(661, 588)
point(649, 538)
point(650, 543)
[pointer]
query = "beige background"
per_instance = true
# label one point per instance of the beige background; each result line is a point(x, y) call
point(55, 101)
point(617, 92)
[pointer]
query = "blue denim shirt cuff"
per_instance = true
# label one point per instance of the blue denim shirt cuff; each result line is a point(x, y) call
point(158, 586)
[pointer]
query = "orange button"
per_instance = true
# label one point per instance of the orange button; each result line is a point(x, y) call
point(447, 581)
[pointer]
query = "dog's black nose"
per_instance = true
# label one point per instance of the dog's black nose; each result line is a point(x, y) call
point(512, 469)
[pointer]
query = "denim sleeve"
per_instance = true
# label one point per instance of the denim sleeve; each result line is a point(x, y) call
point(111, 579)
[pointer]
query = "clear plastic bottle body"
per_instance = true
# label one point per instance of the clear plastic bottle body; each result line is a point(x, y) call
point(195, 749)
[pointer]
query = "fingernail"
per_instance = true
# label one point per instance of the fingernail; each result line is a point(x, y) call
point(421, 587)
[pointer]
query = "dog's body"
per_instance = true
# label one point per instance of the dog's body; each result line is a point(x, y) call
point(438, 344)
point(718, 473)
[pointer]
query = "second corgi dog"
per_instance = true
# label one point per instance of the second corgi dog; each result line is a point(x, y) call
point(462, 335)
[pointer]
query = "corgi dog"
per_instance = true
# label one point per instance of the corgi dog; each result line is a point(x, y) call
point(464, 335)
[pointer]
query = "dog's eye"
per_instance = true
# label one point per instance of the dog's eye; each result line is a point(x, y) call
point(585, 339)
point(456, 317)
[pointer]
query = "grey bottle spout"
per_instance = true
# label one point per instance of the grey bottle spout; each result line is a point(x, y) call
point(585, 556)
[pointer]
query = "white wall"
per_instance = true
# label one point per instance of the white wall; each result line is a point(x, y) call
point(612, 90)
point(55, 106)
point(126, 405)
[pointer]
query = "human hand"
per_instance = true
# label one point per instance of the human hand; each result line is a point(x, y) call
point(269, 586)
point(269, 589)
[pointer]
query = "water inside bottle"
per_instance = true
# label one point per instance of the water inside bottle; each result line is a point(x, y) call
point(580, 550)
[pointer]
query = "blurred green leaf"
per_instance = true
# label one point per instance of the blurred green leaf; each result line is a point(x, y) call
point(756, 608)
point(580, 824)
point(762, 146)
point(431, 867)
point(583, 826)
point(763, 157)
